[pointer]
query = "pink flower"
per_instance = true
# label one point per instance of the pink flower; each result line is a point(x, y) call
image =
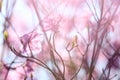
point(32, 42)
point(51, 23)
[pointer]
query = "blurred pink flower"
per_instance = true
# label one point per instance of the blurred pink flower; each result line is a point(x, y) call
point(32, 42)
point(17, 74)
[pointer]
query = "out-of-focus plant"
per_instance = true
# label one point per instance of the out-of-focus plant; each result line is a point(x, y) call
point(69, 39)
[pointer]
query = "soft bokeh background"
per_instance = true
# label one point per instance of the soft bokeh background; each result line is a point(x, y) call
point(74, 16)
